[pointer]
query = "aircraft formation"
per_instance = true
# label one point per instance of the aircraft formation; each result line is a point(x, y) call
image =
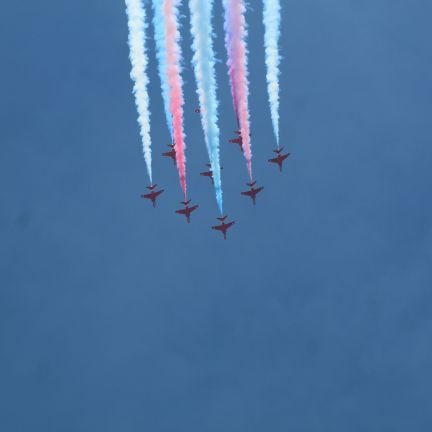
point(166, 31)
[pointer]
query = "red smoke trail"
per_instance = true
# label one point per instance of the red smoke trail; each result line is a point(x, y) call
point(175, 83)
point(235, 41)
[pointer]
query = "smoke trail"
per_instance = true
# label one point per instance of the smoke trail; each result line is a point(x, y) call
point(166, 26)
point(159, 34)
point(235, 41)
point(204, 67)
point(272, 18)
point(138, 57)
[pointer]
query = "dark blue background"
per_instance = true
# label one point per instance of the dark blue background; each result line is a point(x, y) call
point(315, 315)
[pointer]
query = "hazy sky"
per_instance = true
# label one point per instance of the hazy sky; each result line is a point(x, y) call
point(314, 316)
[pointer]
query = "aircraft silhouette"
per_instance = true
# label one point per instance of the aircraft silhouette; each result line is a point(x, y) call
point(223, 227)
point(238, 140)
point(153, 194)
point(187, 210)
point(209, 173)
point(279, 159)
point(171, 153)
point(253, 192)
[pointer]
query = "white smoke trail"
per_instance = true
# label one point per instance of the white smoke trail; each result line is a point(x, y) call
point(204, 68)
point(159, 34)
point(138, 57)
point(272, 18)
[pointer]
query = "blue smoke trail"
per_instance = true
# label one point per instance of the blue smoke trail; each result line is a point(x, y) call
point(138, 57)
point(204, 68)
point(159, 33)
point(272, 18)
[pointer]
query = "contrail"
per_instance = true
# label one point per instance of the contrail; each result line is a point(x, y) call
point(166, 18)
point(138, 57)
point(204, 67)
point(235, 42)
point(159, 34)
point(272, 19)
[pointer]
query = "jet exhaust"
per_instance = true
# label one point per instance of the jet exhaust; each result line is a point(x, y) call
point(159, 35)
point(235, 43)
point(137, 26)
point(204, 68)
point(272, 20)
point(166, 18)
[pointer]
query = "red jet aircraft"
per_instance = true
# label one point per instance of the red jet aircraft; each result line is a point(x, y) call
point(171, 153)
point(209, 173)
point(187, 210)
point(279, 158)
point(238, 140)
point(223, 227)
point(253, 191)
point(153, 194)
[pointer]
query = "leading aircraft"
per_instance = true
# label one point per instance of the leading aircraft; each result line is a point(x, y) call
point(153, 194)
point(279, 158)
point(171, 153)
point(187, 210)
point(253, 192)
point(223, 227)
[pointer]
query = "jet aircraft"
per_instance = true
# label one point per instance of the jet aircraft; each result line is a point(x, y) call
point(253, 192)
point(171, 153)
point(153, 194)
point(187, 210)
point(209, 173)
point(223, 227)
point(238, 140)
point(279, 159)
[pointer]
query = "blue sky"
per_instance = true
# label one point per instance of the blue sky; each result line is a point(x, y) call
point(314, 316)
